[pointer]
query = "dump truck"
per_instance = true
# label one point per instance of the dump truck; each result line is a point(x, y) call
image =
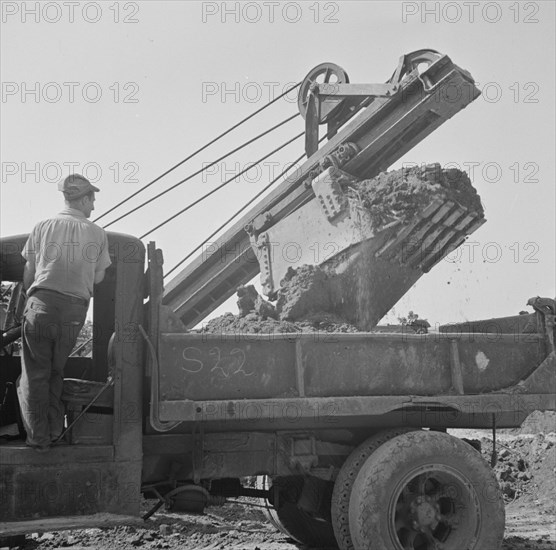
point(346, 433)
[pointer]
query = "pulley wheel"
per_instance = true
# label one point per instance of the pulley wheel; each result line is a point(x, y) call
point(325, 73)
point(420, 59)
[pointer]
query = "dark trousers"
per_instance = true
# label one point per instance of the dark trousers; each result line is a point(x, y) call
point(52, 321)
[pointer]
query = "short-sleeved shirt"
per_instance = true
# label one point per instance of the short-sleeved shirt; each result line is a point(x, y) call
point(68, 250)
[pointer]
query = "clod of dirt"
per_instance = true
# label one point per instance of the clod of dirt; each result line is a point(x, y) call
point(249, 300)
point(303, 291)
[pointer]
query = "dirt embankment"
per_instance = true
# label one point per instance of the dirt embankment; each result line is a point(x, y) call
point(526, 472)
point(526, 467)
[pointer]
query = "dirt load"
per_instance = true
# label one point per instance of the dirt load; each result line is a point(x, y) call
point(353, 290)
point(357, 283)
point(263, 321)
point(401, 194)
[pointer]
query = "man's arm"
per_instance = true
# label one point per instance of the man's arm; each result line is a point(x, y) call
point(99, 276)
point(103, 261)
point(28, 274)
point(29, 254)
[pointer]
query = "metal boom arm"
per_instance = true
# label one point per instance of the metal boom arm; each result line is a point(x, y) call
point(387, 127)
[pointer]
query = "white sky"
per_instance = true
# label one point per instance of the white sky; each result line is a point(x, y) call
point(172, 63)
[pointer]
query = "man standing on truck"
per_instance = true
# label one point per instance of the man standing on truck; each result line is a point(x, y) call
point(65, 256)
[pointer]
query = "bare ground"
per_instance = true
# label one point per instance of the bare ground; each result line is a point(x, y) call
point(529, 527)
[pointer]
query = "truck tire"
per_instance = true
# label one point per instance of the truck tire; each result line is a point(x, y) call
point(423, 491)
point(346, 478)
point(297, 523)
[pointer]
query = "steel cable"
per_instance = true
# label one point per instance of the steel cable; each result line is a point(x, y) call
point(212, 191)
point(262, 191)
point(285, 121)
point(198, 151)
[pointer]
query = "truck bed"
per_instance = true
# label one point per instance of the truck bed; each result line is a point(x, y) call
point(239, 378)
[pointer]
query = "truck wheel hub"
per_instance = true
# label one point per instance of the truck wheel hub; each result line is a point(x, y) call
point(425, 513)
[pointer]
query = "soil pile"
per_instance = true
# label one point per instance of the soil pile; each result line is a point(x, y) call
point(263, 320)
point(526, 460)
point(526, 467)
point(539, 422)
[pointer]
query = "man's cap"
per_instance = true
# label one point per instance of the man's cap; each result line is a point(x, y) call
point(76, 186)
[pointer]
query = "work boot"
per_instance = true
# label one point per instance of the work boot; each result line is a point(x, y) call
point(62, 439)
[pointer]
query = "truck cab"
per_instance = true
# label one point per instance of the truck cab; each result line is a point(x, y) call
point(99, 471)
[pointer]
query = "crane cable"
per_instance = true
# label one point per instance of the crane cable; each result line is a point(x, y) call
point(222, 185)
point(149, 201)
point(232, 217)
point(251, 201)
point(199, 150)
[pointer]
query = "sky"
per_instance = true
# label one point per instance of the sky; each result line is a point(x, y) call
point(122, 91)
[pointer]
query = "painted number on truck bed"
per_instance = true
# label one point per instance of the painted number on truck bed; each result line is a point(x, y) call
point(222, 363)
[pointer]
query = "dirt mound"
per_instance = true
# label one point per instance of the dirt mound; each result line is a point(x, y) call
point(525, 468)
point(255, 324)
point(539, 422)
point(250, 323)
point(256, 315)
